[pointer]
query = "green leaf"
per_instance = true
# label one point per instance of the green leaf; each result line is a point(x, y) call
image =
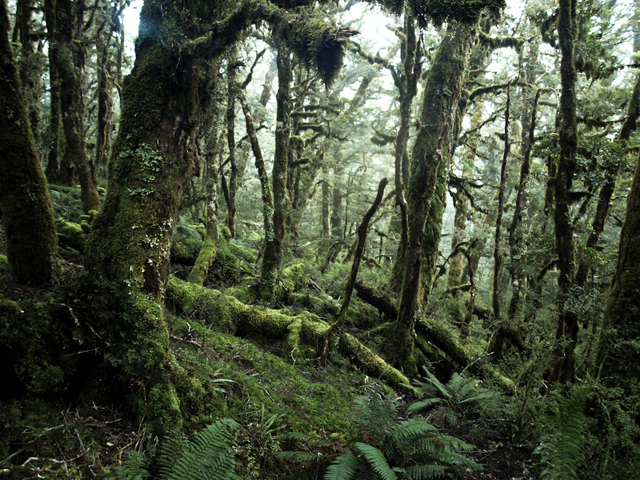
point(342, 468)
point(376, 460)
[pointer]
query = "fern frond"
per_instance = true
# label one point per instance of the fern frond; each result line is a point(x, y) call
point(172, 448)
point(426, 472)
point(208, 457)
point(423, 404)
point(562, 451)
point(375, 459)
point(134, 467)
point(434, 385)
point(375, 412)
point(342, 468)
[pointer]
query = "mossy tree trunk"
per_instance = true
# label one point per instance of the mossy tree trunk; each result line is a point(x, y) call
point(30, 65)
point(406, 81)
point(27, 213)
point(230, 188)
point(619, 342)
point(567, 330)
point(497, 254)
point(273, 245)
point(326, 199)
point(441, 92)
point(70, 62)
point(105, 102)
point(53, 167)
point(462, 203)
point(432, 235)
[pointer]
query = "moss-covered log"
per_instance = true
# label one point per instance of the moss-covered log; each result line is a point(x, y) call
point(27, 213)
point(231, 316)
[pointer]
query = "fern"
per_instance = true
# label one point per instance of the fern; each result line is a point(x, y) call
point(207, 457)
point(426, 472)
point(376, 460)
point(562, 450)
point(344, 467)
point(134, 467)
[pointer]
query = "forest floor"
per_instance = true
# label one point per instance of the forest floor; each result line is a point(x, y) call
point(84, 433)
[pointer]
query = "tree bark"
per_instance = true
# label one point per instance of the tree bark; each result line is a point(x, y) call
point(497, 254)
point(567, 331)
point(70, 62)
point(618, 344)
point(441, 92)
point(273, 245)
point(27, 213)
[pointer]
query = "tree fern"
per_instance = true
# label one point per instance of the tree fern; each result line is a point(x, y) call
point(562, 450)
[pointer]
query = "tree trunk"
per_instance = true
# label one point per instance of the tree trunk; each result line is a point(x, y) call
point(567, 331)
point(29, 64)
point(432, 235)
point(441, 92)
point(105, 107)
point(326, 199)
point(273, 245)
point(407, 84)
point(53, 166)
point(460, 219)
point(70, 61)
point(362, 237)
point(618, 349)
point(515, 239)
point(232, 189)
point(497, 254)
point(27, 213)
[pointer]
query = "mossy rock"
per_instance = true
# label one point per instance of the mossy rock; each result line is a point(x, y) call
point(8, 307)
point(4, 266)
point(227, 268)
point(71, 234)
point(186, 245)
point(240, 249)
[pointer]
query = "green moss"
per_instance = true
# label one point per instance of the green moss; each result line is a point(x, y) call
point(186, 245)
point(9, 307)
point(36, 342)
point(227, 268)
point(71, 234)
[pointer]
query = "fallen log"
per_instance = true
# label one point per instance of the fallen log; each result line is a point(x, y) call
point(437, 335)
point(229, 315)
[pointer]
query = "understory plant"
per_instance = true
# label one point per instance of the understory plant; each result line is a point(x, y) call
point(561, 449)
point(456, 393)
point(391, 448)
point(207, 457)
